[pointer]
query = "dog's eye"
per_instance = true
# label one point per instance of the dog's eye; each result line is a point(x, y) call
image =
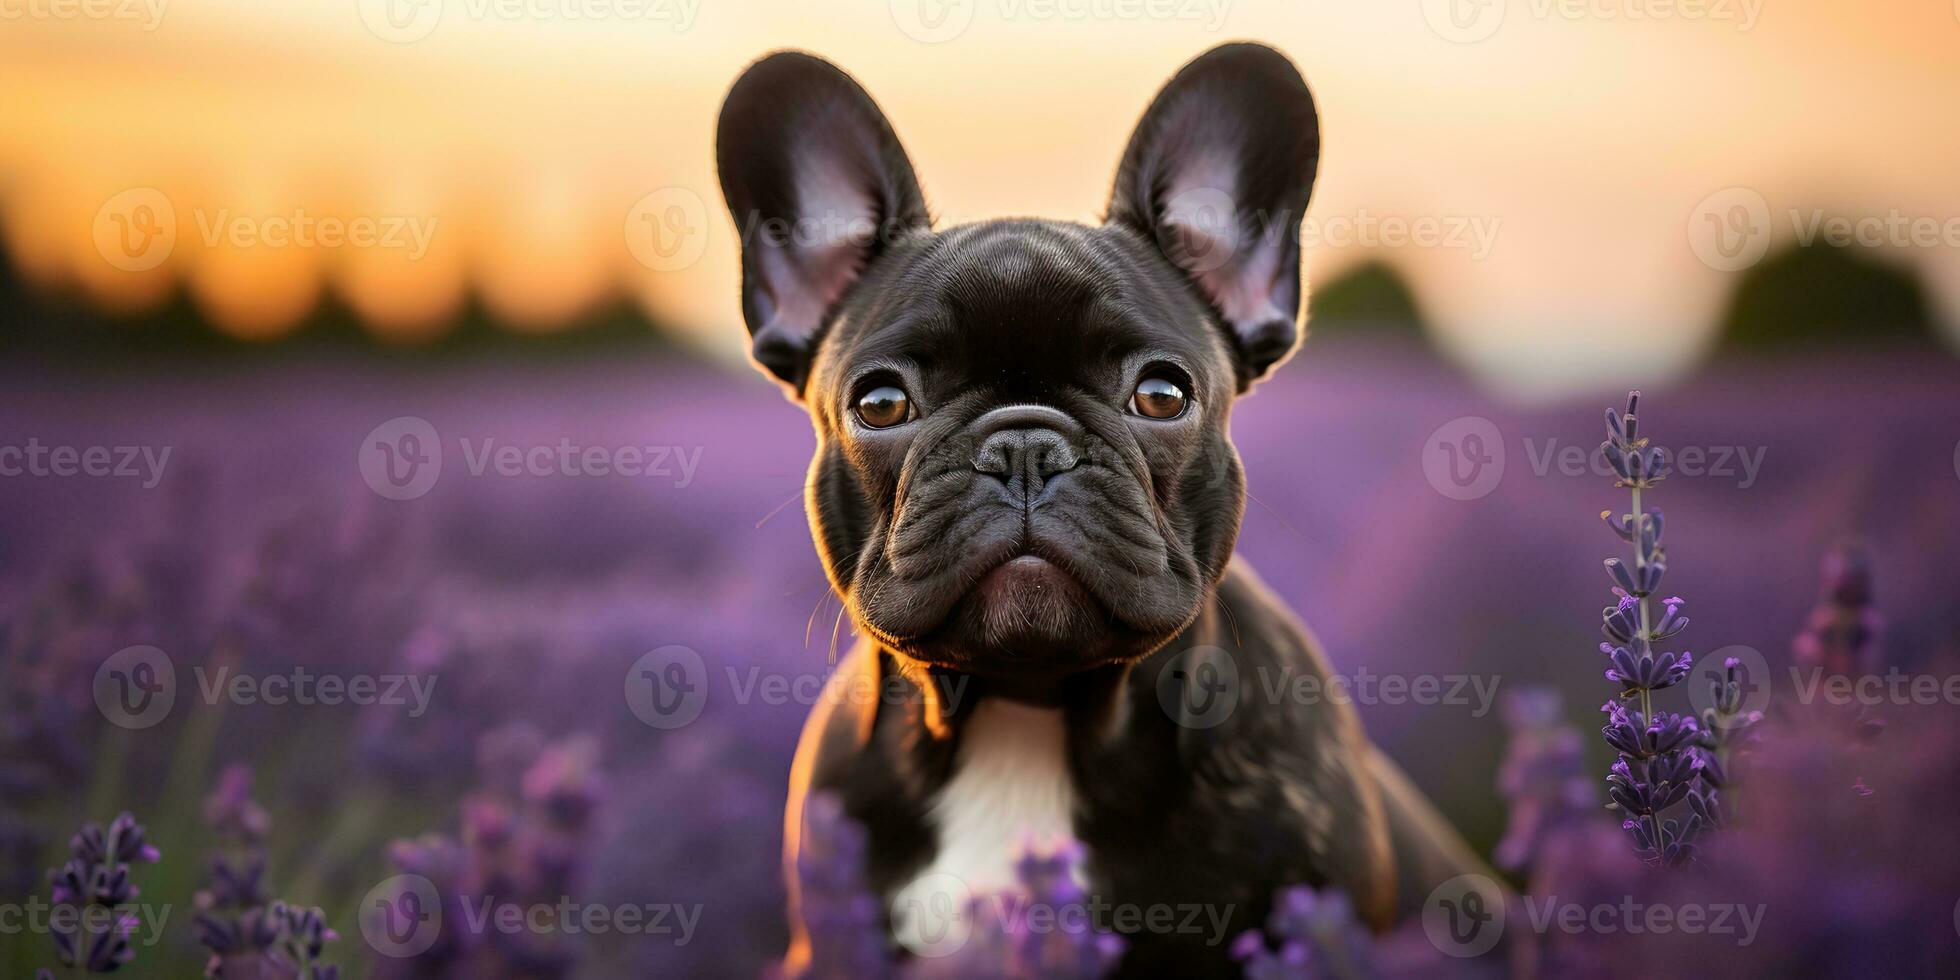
point(883, 407)
point(1158, 398)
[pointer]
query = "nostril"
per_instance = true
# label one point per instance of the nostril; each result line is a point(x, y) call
point(993, 458)
point(1050, 456)
point(1025, 455)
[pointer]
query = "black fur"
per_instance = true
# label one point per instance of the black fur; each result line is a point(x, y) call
point(1018, 343)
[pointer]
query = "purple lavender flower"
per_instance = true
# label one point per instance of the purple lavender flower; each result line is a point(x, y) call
point(1661, 753)
point(1318, 935)
point(525, 837)
point(1039, 928)
point(94, 885)
point(1543, 776)
point(842, 919)
point(233, 919)
point(1841, 635)
point(251, 936)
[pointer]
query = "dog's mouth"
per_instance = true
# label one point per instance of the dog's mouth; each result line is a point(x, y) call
point(1028, 615)
point(974, 579)
point(1028, 581)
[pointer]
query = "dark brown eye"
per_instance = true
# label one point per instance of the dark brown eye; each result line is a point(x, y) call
point(883, 407)
point(1158, 398)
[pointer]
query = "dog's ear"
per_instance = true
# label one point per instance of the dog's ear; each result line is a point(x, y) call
point(1218, 174)
point(818, 185)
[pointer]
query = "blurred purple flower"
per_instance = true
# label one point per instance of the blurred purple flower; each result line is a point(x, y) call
point(1543, 775)
point(1841, 634)
point(93, 935)
point(843, 920)
point(525, 841)
point(1318, 935)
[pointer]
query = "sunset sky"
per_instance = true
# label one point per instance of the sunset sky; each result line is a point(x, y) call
point(1564, 151)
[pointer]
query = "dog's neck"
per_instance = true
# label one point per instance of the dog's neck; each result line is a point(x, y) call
point(1092, 700)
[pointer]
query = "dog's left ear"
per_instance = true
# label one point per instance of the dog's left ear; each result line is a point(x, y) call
point(1218, 174)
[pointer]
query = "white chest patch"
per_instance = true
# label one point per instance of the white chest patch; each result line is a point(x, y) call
point(1010, 790)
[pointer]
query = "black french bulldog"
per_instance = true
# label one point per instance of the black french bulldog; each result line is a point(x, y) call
point(1025, 493)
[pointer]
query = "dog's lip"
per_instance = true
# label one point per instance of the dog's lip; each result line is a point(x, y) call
point(1026, 570)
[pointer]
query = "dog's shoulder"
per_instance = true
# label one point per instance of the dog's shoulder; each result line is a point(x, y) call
point(1289, 743)
point(865, 743)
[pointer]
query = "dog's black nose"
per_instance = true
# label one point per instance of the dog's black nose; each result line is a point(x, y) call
point(1026, 444)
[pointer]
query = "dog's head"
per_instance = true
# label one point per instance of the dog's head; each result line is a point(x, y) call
point(1022, 466)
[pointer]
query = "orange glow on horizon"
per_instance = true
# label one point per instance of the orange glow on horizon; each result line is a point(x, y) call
point(518, 149)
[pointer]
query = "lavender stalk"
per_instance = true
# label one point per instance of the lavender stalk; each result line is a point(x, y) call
point(1660, 761)
point(92, 935)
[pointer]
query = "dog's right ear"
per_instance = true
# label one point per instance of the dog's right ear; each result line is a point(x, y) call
point(818, 186)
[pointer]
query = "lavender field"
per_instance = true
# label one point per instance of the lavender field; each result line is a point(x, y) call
point(502, 617)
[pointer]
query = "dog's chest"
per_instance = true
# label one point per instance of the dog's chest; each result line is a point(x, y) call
point(1010, 790)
